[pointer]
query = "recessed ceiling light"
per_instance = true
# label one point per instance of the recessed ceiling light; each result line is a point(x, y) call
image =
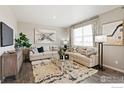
point(54, 17)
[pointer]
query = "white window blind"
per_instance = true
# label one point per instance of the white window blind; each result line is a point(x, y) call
point(83, 36)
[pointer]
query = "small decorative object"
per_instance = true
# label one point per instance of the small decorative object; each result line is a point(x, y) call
point(45, 36)
point(66, 56)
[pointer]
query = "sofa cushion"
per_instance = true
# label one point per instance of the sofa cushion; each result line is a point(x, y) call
point(55, 48)
point(44, 55)
point(78, 56)
point(82, 51)
point(90, 51)
point(37, 56)
point(46, 48)
point(40, 50)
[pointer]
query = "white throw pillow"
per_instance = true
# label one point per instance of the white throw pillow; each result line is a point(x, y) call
point(46, 48)
point(34, 50)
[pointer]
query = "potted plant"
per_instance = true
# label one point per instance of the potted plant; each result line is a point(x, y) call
point(23, 42)
point(61, 53)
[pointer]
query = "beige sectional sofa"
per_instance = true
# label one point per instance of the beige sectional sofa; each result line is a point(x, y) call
point(87, 57)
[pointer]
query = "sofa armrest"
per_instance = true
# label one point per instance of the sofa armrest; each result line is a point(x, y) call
point(31, 53)
point(94, 59)
point(92, 56)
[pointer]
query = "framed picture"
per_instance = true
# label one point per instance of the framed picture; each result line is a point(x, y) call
point(44, 36)
point(114, 32)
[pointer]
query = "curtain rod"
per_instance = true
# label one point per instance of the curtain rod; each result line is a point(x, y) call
point(92, 18)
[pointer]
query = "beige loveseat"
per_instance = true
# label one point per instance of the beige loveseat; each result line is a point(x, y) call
point(83, 57)
point(47, 54)
point(44, 55)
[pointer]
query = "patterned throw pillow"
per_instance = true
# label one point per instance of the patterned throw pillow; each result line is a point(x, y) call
point(74, 50)
point(71, 49)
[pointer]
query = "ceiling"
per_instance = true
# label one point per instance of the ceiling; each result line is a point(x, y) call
point(58, 15)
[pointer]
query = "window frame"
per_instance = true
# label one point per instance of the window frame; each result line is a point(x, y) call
point(83, 36)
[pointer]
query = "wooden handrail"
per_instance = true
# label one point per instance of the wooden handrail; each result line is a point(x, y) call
point(115, 30)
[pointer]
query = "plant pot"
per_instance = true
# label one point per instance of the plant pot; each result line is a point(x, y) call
point(26, 54)
point(61, 57)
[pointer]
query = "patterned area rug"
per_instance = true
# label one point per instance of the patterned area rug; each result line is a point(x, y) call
point(52, 71)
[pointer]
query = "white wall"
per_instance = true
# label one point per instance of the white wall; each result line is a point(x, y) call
point(113, 53)
point(8, 18)
point(28, 29)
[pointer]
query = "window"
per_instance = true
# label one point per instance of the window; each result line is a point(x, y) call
point(78, 36)
point(83, 36)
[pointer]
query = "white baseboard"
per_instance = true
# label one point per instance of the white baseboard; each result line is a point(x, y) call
point(120, 70)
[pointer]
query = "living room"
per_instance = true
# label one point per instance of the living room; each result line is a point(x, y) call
point(58, 33)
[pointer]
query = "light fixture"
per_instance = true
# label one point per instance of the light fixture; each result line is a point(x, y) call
point(100, 40)
point(65, 43)
point(53, 17)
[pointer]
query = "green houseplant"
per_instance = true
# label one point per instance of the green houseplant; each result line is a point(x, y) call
point(61, 53)
point(23, 42)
